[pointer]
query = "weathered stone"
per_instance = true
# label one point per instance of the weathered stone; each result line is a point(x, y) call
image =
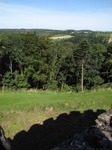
point(98, 137)
point(106, 117)
point(4, 143)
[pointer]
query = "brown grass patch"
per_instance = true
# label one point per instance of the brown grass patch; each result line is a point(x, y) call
point(61, 37)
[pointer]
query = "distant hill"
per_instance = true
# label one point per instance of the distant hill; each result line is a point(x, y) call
point(40, 31)
point(85, 31)
point(51, 32)
point(48, 32)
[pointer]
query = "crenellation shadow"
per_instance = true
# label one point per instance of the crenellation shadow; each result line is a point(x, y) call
point(53, 132)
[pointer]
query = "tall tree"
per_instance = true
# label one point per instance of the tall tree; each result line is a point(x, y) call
point(82, 54)
point(108, 64)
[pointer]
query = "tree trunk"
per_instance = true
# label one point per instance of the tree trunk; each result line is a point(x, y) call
point(10, 66)
point(82, 77)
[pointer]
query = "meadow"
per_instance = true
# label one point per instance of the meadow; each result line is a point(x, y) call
point(104, 34)
point(20, 110)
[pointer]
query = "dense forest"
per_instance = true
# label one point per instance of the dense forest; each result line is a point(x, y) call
point(31, 60)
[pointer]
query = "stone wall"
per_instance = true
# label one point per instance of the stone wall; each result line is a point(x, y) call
point(98, 137)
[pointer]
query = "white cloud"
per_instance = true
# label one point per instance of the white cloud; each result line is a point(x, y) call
point(13, 16)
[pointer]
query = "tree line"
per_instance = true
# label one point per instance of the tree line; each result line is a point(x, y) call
point(29, 60)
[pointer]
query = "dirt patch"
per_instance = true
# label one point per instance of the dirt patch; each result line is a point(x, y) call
point(110, 39)
point(61, 37)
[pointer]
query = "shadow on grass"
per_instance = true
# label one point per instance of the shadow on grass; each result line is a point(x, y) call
point(53, 132)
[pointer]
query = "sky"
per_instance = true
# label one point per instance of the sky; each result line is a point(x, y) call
point(93, 15)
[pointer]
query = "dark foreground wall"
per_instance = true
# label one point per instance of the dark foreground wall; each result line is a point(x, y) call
point(98, 137)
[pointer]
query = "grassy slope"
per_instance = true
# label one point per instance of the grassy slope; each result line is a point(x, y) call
point(105, 34)
point(19, 111)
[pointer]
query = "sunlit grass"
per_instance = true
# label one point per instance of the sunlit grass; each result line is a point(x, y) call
point(20, 110)
point(104, 34)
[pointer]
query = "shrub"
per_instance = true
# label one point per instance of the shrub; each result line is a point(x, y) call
point(66, 88)
point(98, 80)
point(8, 81)
point(14, 81)
point(78, 88)
point(20, 80)
point(106, 85)
point(53, 85)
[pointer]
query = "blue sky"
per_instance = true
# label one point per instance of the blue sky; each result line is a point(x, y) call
point(57, 14)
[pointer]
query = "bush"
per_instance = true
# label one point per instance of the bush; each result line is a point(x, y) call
point(53, 85)
point(8, 81)
point(78, 88)
point(106, 85)
point(66, 88)
point(20, 80)
point(14, 81)
point(103, 86)
point(98, 80)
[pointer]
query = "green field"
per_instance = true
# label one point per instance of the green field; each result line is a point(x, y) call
point(20, 110)
point(104, 34)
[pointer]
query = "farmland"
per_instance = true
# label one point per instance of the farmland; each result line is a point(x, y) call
point(104, 34)
point(61, 37)
point(110, 39)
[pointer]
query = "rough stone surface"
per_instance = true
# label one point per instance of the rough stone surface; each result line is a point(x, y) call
point(4, 143)
point(98, 137)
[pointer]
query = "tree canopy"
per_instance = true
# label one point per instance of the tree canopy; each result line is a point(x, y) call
point(30, 60)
